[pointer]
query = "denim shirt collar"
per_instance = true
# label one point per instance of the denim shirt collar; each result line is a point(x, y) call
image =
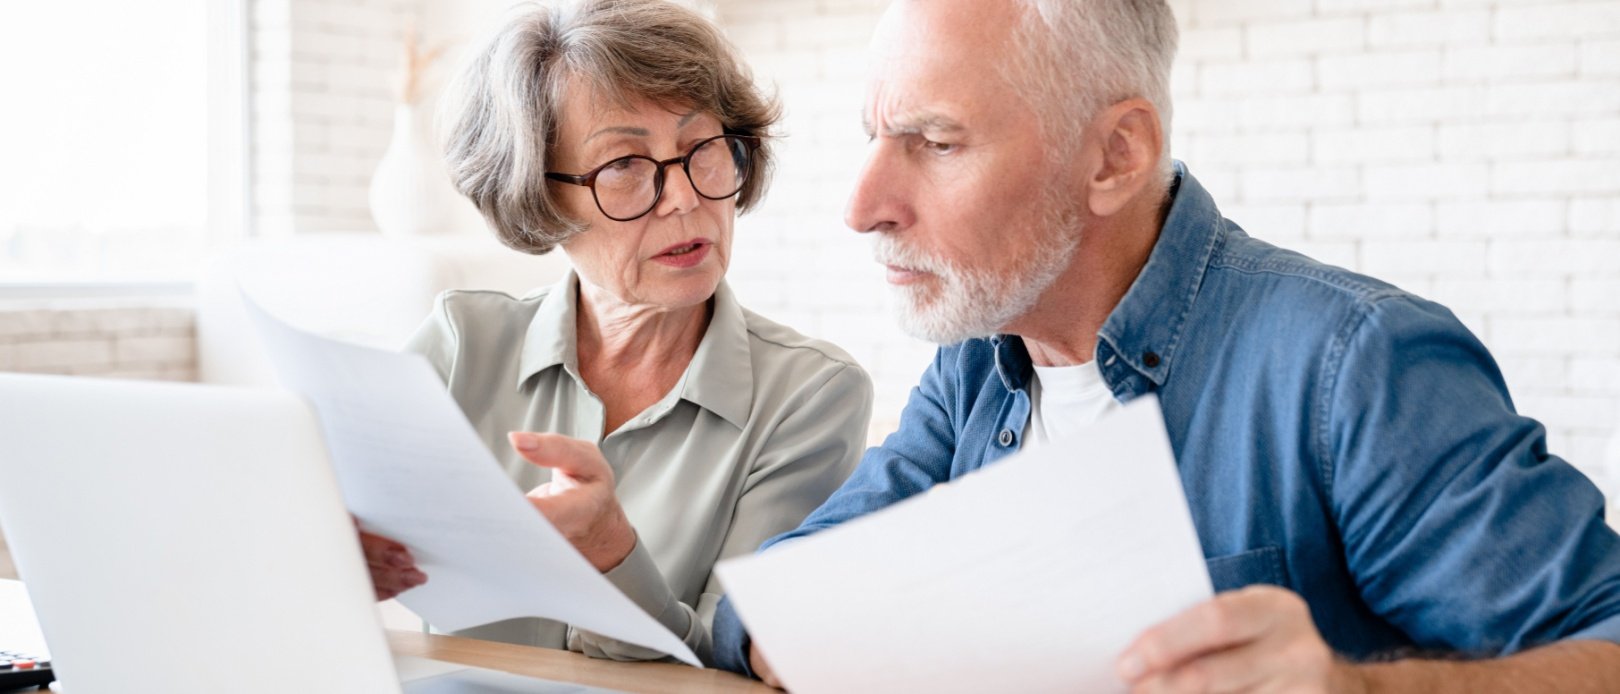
point(1143, 332)
point(1012, 361)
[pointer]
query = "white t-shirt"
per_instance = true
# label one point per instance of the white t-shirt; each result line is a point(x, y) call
point(1064, 399)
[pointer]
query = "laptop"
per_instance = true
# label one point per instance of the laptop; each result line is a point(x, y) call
point(190, 538)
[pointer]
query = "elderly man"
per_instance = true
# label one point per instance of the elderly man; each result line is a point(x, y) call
point(1361, 485)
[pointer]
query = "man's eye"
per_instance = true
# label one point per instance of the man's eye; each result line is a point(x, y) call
point(938, 147)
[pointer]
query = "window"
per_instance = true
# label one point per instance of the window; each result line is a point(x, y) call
point(108, 171)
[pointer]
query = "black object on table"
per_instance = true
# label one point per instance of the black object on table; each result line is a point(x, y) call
point(19, 670)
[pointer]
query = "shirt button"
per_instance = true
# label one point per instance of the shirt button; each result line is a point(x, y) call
point(1006, 437)
point(1150, 359)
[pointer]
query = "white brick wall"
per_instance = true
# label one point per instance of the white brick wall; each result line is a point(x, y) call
point(795, 261)
point(108, 338)
point(323, 108)
point(1468, 150)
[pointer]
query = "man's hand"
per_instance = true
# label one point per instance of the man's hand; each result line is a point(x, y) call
point(1260, 638)
point(757, 663)
point(393, 569)
point(579, 499)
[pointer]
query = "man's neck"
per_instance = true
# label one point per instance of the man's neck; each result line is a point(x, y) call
point(1062, 327)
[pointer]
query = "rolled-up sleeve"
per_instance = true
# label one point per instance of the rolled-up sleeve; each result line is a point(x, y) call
point(808, 453)
point(1459, 526)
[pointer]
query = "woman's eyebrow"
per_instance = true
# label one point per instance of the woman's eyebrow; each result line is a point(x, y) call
point(642, 132)
point(621, 130)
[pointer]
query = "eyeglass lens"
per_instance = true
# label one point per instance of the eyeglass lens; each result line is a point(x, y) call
point(628, 187)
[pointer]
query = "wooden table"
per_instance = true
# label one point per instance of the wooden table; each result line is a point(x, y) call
point(544, 663)
point(570, 667)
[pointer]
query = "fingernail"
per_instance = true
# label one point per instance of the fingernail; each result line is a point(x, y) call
point(416, 577)
point(524, 441)
point(398, 560)
point(1129, 667)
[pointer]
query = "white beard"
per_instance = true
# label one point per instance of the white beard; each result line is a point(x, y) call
point(960, 302)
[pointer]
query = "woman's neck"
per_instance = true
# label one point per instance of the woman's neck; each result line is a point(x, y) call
point(622, 334)
point(631, 355)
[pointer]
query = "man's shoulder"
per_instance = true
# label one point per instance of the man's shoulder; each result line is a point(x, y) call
point(1272, 282)
point(1266, 293)
point(1244, 255)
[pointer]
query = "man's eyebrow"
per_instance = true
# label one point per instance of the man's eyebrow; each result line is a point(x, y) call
point(916, 123)
point(620, 130)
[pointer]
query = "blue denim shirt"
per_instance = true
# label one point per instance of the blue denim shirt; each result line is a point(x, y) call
point(1335, 435)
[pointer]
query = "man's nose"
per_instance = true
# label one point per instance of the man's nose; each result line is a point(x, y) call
point(879, 202)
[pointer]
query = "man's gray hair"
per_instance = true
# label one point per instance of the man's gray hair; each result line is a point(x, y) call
point(1075, 58)
point(503, 112)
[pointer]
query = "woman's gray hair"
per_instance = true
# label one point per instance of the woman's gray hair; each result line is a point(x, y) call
point(1077, 57)
point(504, 109)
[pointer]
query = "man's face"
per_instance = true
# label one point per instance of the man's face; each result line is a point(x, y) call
point(973, 219)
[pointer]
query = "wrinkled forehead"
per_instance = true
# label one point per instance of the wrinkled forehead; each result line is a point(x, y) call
point(586, 106)
point(934, 57)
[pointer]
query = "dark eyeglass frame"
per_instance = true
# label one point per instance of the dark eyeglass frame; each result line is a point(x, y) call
point(588, 179)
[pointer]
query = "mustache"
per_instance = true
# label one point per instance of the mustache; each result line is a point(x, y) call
point(887, 250)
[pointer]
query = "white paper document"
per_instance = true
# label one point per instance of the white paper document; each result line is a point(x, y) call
point(1031, 575)
point(413, 469)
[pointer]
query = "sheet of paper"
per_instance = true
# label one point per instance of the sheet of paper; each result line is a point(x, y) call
point(1031, 575)
point(412, 468)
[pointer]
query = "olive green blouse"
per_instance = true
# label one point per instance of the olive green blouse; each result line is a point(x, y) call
point(764, 424)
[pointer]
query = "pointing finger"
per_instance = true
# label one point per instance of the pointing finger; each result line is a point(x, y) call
point(578, 459)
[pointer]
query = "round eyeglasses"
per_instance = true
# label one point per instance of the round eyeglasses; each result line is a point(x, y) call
point(629, 187)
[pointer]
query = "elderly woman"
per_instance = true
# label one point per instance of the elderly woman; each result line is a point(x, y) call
point(659, 424)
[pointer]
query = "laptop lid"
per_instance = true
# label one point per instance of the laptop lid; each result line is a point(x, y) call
point(184, 538)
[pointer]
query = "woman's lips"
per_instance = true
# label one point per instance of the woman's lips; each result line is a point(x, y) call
point(685, 255)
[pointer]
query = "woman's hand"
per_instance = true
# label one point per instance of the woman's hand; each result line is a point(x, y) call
point(579, 499)
point(393, 569)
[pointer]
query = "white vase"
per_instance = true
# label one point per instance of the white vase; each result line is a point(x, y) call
point(411, 193)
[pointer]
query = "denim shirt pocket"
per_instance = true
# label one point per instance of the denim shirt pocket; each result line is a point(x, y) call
point(1262, 565)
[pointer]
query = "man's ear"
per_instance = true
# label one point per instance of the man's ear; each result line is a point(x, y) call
point(1130, 141)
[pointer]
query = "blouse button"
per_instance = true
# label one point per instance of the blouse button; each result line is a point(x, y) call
point(1006, 437)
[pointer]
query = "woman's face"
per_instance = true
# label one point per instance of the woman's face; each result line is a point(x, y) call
point(675, 255)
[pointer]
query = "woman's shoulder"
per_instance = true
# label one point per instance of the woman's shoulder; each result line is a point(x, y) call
point(775, 344)
point(476, 313)
point(464, 320)
point(474, 304)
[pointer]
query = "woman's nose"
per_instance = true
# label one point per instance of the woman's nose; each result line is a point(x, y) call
point(679, 195)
